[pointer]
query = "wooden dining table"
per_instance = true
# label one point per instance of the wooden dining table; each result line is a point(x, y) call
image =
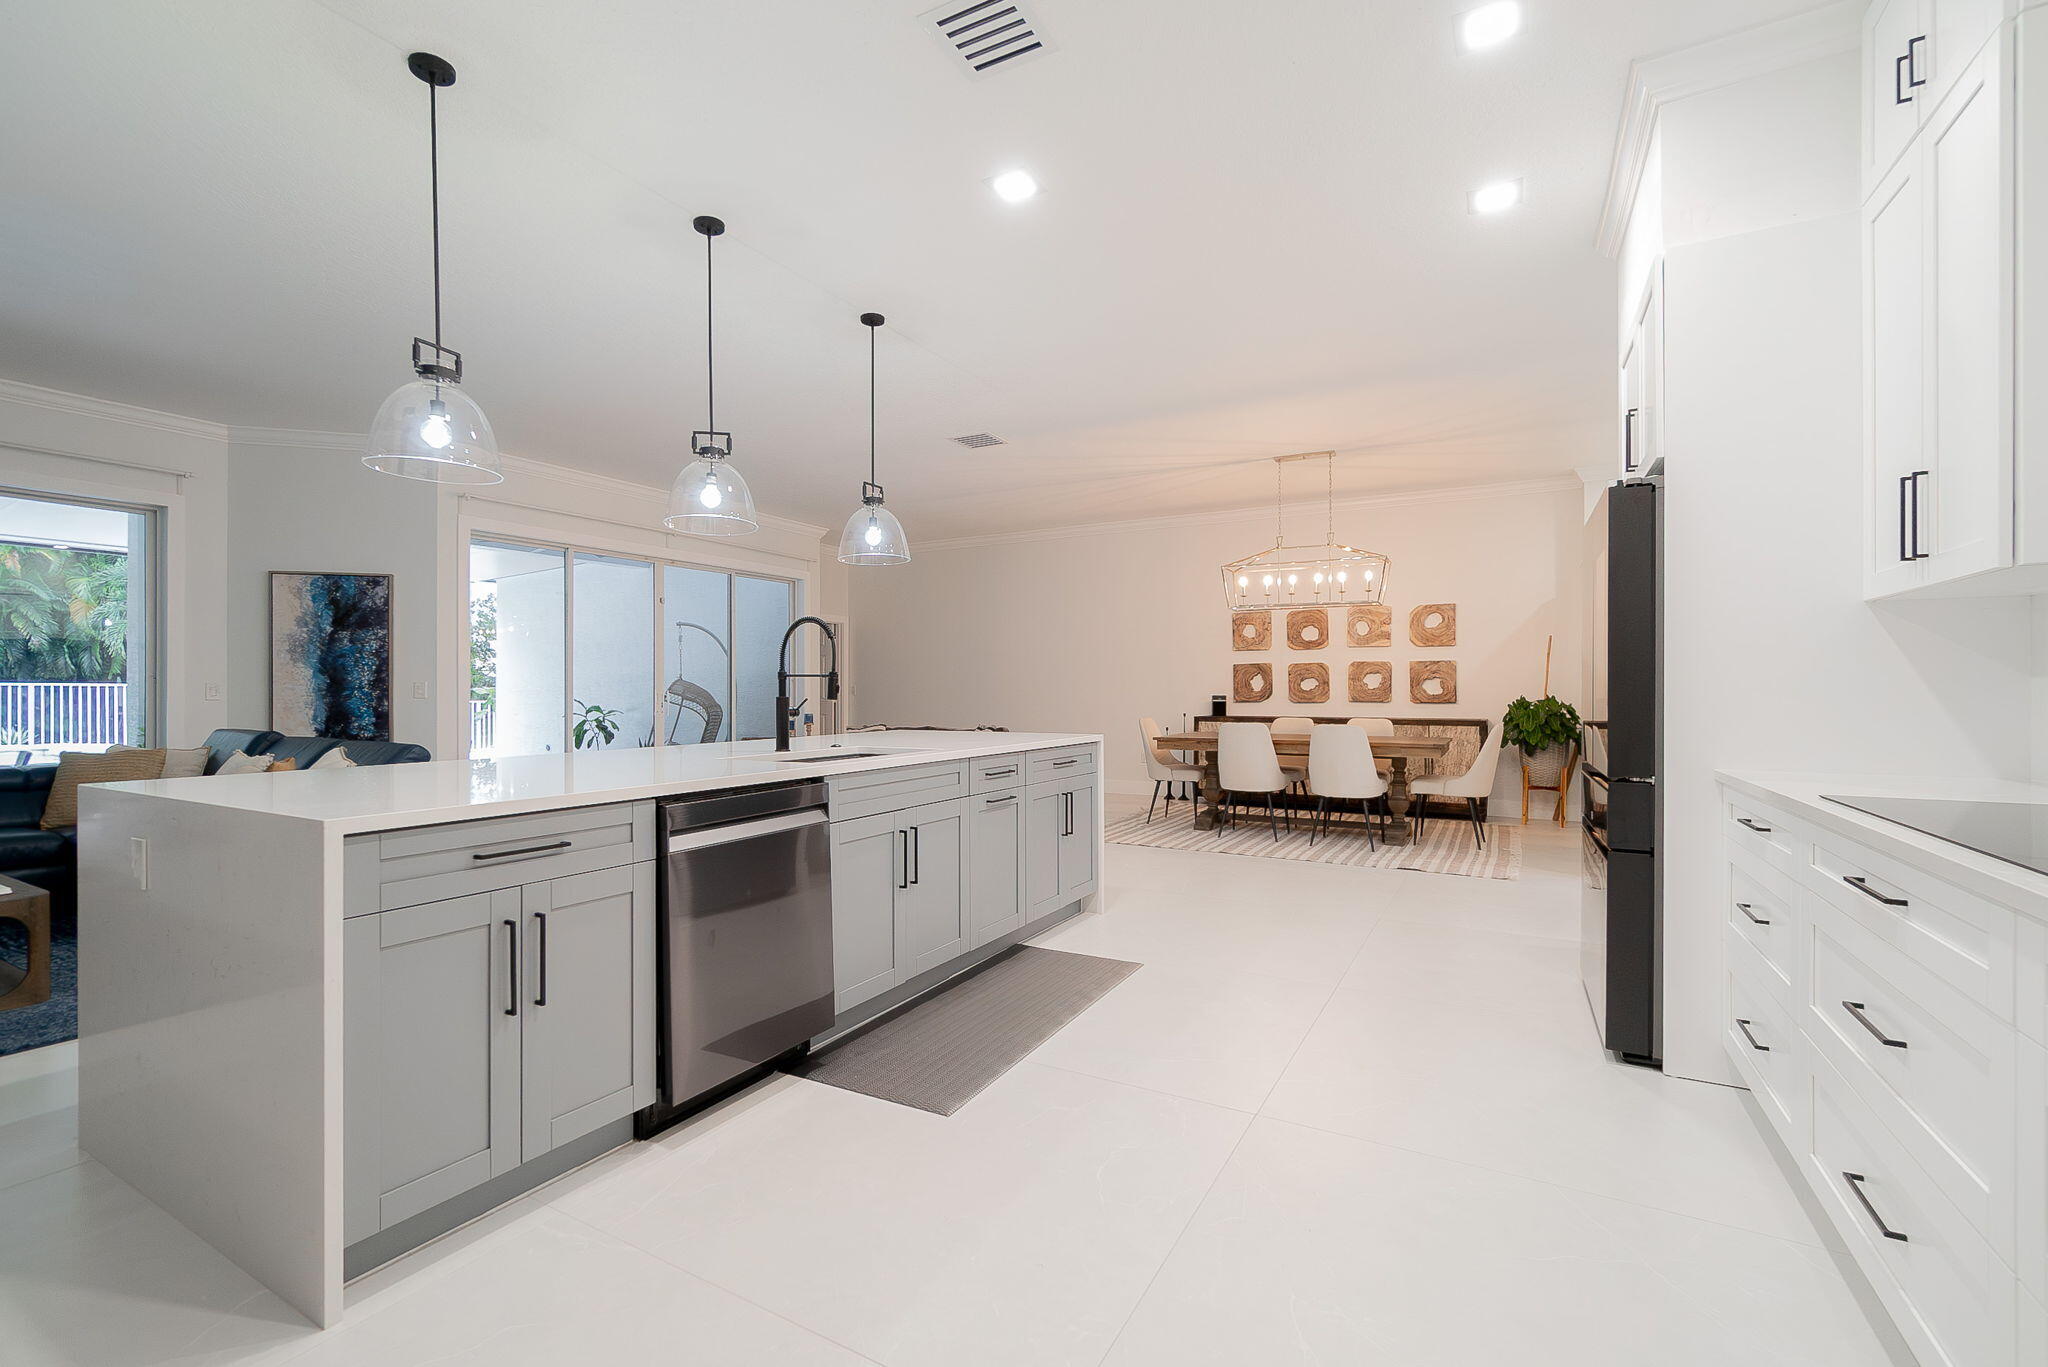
point(1395, 750)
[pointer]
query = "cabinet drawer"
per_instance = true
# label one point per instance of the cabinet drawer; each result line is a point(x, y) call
point(1933, 1066)
point(1760, 916)
point(1964, 940)
point(1947, 1292)
point(1757, 830)
point(1767, 1051)
point(892, 790)
point(995, 773)
point(1073, 762)
point(432, 863)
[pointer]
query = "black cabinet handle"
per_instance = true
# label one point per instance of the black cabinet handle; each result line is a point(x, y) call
point(525, 849)
point(1913, 482)
point(903, 878)
point(916, 855)
point(1862, 885)
point(1745, 821)
point(1914, 80)
point(540, 997)
point(1063, 763)
point(511, 968)
point(1857, 1009)
point(1628, 440)
point(1856, 1181)
point(999, 773)
point(1905, 547)
point(1743, 907)
point(1899, 95)
point(1743, 1026)
point(998, 801)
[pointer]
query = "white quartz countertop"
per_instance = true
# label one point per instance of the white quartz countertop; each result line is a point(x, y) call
point(1801, 796)
point(391, 797)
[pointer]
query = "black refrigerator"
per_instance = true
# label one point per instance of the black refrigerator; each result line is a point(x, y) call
point(1621, 951)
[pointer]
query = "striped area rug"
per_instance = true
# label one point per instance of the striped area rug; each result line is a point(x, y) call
point(1446, 846)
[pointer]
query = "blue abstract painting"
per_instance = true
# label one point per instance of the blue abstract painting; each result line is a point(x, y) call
point(330, 655)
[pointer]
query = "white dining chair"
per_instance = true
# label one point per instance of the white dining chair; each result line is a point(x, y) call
point(1341, 769)
point(1164, 769)
point(1295, 765)
point(1374, 726)
point(1246, 765)
point(1474, 785)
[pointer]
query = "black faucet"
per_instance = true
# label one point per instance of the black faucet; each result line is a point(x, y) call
point(783, 711)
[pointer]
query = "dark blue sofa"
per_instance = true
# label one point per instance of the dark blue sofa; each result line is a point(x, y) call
point(49, 859)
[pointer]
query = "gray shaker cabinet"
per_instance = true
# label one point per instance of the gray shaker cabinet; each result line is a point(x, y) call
point(899, 904)
point(1059, 842)
point(931, 904)
point(995, 865)
point(431, 1047)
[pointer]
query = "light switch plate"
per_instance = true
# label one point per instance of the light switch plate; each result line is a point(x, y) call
point(213, 692)
point(419, 688)
point(138, 861)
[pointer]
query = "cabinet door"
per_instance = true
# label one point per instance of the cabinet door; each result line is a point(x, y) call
point(1642, 380)
point(995, 866)
point(867, 866)
point(931, 904)
point(1895, 401)
point(1077, 846)
point(1963, 155)
point(431, 1043)
point(583, 1034)
point(1045, 821)
point(1956, 32)
point(1891, 103)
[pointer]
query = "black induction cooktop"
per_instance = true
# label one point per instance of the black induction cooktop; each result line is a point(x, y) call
point(2016, 832)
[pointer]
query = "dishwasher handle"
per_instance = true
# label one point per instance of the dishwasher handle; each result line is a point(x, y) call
point(685, 841)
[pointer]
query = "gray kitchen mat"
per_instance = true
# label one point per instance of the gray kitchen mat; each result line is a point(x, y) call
point(939, 1053)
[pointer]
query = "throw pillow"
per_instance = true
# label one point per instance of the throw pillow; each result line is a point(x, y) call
point(337, 758)
point(239, 763)
point(76, 766)
point(177, 763)
point(283, 766)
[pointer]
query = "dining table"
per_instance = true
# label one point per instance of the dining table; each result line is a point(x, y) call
point(1396, 750)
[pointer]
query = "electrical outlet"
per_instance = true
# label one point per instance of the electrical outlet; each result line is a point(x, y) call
point(138, 861)
point(213, 692)
point(419, 689)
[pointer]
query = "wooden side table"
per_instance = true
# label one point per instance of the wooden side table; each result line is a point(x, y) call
point(30, 905)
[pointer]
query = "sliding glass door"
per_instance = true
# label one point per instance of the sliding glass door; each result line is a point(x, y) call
point(581, 650)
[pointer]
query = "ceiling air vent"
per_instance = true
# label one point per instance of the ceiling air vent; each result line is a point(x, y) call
point(979, 439)
point(986, 35)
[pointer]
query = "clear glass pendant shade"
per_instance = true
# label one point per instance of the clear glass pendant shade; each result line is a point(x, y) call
point(873, 536)
point(710, 499)
point(429, 429)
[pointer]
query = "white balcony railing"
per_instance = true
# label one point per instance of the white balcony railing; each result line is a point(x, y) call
point(483, 727)
point(41, 715)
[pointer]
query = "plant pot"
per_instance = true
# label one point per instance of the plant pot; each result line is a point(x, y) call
point(1548, 770)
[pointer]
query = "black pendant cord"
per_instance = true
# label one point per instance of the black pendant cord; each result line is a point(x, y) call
point(434, 180)
point(710, 384)
point(871, 405)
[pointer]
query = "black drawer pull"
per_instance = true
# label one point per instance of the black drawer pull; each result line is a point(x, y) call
point(1856, 1181)
point(1743, 1026)
point(511, 968)
point(1743, 907)
point(525, 849)
point(1745, 821)
point(1862, 885)
point(1857, 1009)
point(999, 773)
point(1063, 763)
point(999, 801)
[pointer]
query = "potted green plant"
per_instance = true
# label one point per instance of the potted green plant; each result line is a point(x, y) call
point(1546, 731)
point(596, 726)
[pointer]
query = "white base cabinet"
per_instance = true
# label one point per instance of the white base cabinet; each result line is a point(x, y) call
point(1888, 1021)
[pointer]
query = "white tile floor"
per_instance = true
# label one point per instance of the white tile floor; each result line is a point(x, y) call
point(1342, 1116)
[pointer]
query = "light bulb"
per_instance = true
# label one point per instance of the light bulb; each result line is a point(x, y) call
point(1319, 576)
point(873, 535)
point(1242, 581)
point(434, 429)
point(1340, 576)
point(1489, 24)
point(1291, 579)
point(1368, 574)
point(1269, 581)
point(709, 495)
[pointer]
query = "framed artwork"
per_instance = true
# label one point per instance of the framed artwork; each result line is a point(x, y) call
point(1432, 681)
point(1369, 624)
point(1251, 683)
point(1434, 625)
point(1308, 628)
point(330, 654)
point(1372, 681)
point(1251, 631)
point(1308, 683)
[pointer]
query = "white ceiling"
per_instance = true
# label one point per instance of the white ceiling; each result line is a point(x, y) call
point(1252, 238)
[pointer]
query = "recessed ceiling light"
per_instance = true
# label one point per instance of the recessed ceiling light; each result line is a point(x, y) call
point(1014, 187)
point(1488, 25)
point(1494, 198)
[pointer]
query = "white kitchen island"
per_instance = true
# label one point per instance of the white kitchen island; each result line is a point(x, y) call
point(244, 946)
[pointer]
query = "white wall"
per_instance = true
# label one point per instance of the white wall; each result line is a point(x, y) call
point(1092, 630)
point(1772, 659)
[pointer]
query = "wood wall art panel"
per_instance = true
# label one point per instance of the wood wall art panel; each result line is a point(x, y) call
point(1308, 683)
point(1308, 628)
point(1251, 631)
point(1434, 625)
point(1251, 683)
point(1432, 681)
point(1369, 624)
point(1372, 681)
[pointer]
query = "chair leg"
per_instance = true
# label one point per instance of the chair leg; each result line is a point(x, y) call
point(1155, 802)
point(1270, 819)
point(1478, 828)
point(1365, 815)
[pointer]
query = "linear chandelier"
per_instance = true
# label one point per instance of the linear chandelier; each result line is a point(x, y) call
point(1305, 576)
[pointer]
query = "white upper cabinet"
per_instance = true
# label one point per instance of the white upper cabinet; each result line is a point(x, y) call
point(1947, 471)
point(1913, 51)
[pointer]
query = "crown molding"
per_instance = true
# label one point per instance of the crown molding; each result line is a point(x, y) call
point(1457, 493)
point(85, 406)
point(1654, 82)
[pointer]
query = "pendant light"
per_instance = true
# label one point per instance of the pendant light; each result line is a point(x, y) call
point(873, 536)
point(709, 498)
point(1306, 576)
point(430, 428)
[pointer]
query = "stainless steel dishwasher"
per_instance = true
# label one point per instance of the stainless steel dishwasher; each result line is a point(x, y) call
point(745, 945)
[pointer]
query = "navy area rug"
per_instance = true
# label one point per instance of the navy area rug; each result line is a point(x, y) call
point(50, 1022)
